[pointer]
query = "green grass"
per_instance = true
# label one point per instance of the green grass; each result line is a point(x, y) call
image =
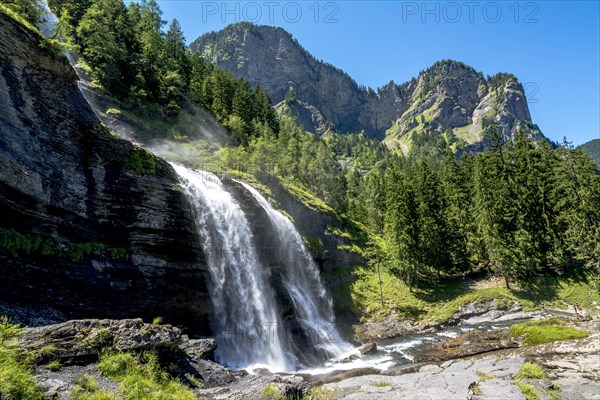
point(140, 377)
point(142, 162)
point(346, 234)
point(20, 245)
point(538, 332)
point(15, 16)
point(361, 294)
point(476, 390)
point(314, 244)
point(307, 198)
point(272, 392)
point(464, 134)
point(483, 376)
point(531, 370)
point(358, 291)
point(88, 389)
point(319, 393)
point(81, 251)
point(16, 371)
point(529, 391)
point(54, 365)
point(381, 384)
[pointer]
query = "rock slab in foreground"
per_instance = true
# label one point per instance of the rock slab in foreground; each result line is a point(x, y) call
point(452, 380)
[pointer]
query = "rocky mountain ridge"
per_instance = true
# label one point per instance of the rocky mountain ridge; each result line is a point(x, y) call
point(449, 98)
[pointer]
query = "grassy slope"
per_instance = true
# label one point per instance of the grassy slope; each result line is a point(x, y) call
point(439, 303)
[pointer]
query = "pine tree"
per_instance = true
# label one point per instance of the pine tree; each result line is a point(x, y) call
point(433, 230)
point(401, 227)
point(495, 209)
point(28, 9)
point(146, 17)
point(534, 237)
point(107, 40)
point(576, 198)
point(456, 211)
point(242, 101)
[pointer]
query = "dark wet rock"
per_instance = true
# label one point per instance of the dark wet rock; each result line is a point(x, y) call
point(467, 344)
point(198, 348)
point(351, 357)
point(211, 373)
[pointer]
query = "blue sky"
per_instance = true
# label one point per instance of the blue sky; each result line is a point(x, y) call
point(553, 47)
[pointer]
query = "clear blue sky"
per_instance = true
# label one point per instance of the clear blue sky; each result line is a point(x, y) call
point(553, 47)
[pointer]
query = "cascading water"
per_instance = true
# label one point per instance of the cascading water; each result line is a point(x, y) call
point(312, 307)
point(248, 323)
point(245, 314)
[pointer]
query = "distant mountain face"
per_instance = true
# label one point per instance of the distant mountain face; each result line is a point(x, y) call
point(450, 98)
point(593, 149)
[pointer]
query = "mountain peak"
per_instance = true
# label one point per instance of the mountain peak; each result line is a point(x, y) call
point(448, 96)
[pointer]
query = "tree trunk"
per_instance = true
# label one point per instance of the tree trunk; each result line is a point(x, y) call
point(506, 281)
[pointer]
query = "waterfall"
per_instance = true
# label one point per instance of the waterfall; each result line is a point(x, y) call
point(48, 21)
point(312, 307)
point(246, 321)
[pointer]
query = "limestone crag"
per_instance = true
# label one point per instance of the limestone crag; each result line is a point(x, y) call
point(447, 97)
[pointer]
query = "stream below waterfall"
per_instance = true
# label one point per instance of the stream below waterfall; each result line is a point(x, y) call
point(398, 353)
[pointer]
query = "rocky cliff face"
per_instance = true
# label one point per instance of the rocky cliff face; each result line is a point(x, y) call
point(449, 97)
point(91, 226)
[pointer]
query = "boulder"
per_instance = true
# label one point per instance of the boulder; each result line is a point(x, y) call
point(198, 348)
point(211, 373)
point(368, 348)
point(80, 338)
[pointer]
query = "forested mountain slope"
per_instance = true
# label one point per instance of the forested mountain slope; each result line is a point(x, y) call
point(593, 149)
